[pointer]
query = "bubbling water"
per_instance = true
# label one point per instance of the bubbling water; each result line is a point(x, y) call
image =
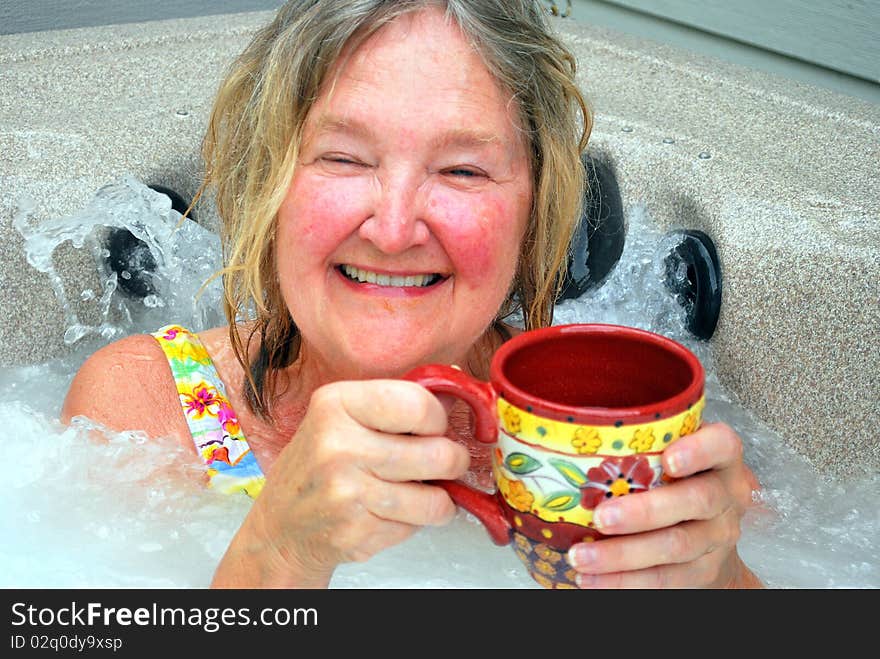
point(93, 508)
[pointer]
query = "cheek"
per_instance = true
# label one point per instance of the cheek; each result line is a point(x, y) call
point(483, 239)
point(317, 215)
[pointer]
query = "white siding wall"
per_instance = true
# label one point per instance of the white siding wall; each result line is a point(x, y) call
point(833, 44)
point(837, 34)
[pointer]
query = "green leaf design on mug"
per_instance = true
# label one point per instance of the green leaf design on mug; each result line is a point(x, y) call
point(520, 463)
point(560, 501)
point(570, 471)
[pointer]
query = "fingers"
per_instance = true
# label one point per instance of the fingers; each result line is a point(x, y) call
point(713, 446)
point(703, 573)
point(717, 479)
point(390, 406)
point(703, 496)
point(387, 534)
point(718, 448)
point(396, 458)
point(350, 516)
point(416, 504)
point(682, 534)
point(391, 429)
point(685, 543)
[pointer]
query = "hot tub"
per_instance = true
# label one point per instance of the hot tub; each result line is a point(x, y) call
point(782, 176)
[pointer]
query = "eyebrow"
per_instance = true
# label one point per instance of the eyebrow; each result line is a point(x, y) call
point(461, 137)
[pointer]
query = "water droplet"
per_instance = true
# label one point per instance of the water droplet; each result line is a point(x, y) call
point(87, 295)
point(705, 155)
point(627, 129)
point(182, 113)
point(668, 140)
point(125, 274)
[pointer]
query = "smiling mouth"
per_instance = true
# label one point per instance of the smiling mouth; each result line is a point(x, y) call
point(398, 281)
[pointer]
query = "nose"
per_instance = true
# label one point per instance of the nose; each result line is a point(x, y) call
point(397, 222)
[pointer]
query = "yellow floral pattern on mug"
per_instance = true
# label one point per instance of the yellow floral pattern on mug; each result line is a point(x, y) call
point(512, 421)
point(642, 441)
point(586, 440)
point(516, 493)
point(617, 439)
point(689, 424)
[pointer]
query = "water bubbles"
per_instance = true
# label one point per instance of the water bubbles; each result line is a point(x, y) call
point(704, 155)
point(668, 140)
point(185, 256)
point(680, 273)
point(74, 333)
point(626, 129)
point(182, 112)
point(150, 547)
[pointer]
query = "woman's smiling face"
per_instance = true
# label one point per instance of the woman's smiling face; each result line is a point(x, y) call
point(400, 233)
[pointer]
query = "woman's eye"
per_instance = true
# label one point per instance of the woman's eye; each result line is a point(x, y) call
point(464, 172)
point(341, 160)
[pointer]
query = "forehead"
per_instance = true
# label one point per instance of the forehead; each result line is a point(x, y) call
point(419, 67)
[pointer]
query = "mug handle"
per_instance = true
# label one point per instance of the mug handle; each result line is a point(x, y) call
point(442, 379)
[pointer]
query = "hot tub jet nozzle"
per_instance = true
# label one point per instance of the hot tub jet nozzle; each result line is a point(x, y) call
point(599, 237)
point(693, 275)
point(130, 257)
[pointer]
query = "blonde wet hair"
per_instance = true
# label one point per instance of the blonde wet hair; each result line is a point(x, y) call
point(256, 126)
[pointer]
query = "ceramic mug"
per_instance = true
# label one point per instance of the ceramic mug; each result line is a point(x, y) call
point(578, 414)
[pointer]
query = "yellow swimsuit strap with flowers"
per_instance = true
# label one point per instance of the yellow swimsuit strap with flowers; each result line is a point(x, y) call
point(219, 440)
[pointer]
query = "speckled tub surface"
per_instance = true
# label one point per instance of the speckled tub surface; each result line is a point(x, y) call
point(783, 176)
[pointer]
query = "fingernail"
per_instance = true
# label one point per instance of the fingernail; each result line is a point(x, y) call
point(677, 462)
point(586, 580)
point(608, 515)
point(582, 555)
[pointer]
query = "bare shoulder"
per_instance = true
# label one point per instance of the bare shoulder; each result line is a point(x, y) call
point(127, 385)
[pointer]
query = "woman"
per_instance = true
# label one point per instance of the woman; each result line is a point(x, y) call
point(393, 177)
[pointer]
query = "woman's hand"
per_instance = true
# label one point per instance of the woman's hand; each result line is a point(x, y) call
point(680, 535)
point(346, 486)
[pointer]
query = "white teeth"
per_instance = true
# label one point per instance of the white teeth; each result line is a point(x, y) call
point(386, 280)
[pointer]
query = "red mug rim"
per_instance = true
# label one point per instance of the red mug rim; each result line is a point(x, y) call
point(611, 416)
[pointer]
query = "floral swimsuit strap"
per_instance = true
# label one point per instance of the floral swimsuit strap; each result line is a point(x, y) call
point(219, 440)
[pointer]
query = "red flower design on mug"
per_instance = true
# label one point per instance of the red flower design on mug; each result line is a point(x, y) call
point(616, 477)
